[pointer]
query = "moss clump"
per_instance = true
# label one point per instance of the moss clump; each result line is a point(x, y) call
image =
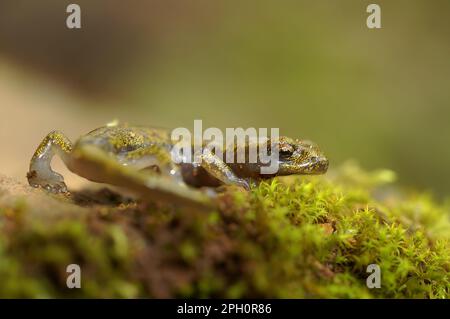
point(291, 237)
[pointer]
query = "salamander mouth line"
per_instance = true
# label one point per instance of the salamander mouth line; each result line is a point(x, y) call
point(302, 165)
point(317, 166)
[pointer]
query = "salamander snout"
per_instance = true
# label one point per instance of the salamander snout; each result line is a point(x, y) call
point(319, 163)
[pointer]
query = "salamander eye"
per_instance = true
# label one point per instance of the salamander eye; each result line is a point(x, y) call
point(286, 149)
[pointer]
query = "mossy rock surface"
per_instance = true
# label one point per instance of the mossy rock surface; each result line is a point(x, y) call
point(293, 237)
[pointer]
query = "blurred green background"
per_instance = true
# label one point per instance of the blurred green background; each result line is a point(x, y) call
point(313, 69)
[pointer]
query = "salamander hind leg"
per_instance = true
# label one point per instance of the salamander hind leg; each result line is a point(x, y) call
point(40, 173)
point(97, 165)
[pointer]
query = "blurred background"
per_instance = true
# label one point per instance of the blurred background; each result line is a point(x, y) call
point(313, 69)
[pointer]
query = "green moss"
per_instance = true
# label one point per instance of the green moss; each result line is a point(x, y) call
point(292, 237)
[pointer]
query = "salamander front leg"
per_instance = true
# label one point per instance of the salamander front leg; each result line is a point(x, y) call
point(216, 167)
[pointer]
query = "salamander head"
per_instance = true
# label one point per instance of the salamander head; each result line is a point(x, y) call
point(300, 157)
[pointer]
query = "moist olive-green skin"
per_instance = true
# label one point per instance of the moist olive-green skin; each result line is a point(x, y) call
point(147, 149)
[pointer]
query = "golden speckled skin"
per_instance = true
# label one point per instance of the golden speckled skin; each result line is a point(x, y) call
point(55, 138)
point(139, 158)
